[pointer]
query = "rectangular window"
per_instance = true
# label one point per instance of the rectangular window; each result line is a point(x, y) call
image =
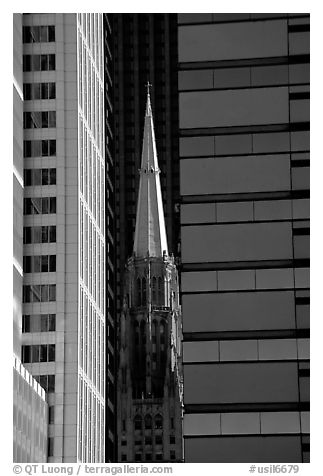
point(238, 311)
point(219, 383)
point(34, 177)
point(39, 234)
point(50, 447)
point(39, 264)
point(39, 148)
point(38, 323)
point(38, 353)
point(51, 414)
point(25, 323)
point(39, 120)
point(37, 34)
point(37, 206)
point(243, 242)
point(205, 43)
point(39, 62)
point(46, 381)
point(238, 107)
point(39, 293)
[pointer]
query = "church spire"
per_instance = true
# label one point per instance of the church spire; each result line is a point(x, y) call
point(150, 233)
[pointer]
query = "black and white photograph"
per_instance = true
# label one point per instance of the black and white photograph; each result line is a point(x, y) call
point(161, 240)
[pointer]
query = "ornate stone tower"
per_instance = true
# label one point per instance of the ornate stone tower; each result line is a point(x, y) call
point(150, 384)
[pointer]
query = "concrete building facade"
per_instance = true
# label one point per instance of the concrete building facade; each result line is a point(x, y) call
point(29, 399)
point(64, 287)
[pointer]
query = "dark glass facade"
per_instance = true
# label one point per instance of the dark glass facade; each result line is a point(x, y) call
point(244, 183)
point(145, 49)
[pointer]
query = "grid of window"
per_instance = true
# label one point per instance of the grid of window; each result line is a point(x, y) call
point(39, 264)
point(39, 234)
point(34, 91)
point(38, 34)
point(92, 232)
point(46, 381)
point(39, 148)
point(244, 173)
point(34, 177)
point(38, 323)
point(37, 353)
point(39, 205)
point(39, 119)
point(39, 62)
point(29, 417)
point(39, 293)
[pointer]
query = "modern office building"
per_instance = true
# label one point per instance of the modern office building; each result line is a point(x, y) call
point(64, 234)
point(244, 184)
point(30, 417)
point(150, 388)
point(110, 237)
point(29, 400)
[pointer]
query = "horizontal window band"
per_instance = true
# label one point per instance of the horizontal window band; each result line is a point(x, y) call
point(292, 96)
point(243, 197)
point(302, 301)
point(244, 222)
point(235, 291)
point(236, 63)
point(242, 154)
point(207, 131)
point(303, 372)
point(245, 407)
point(232, 20)
point(243, 435)
point(301, 231)
point(222, 363)
point(266, 264)
point(298, 28)
point(301, 95)
point(300, 163)
point(246, 335)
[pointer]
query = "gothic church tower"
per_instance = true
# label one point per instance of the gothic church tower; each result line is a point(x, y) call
point(150, 387)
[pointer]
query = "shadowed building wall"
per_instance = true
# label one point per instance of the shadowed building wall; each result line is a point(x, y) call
point(244, 185)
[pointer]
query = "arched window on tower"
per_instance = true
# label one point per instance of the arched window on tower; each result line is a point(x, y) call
point(138, 292)
point(138, 422)
point(154, 290)
point(143, 333)
point(162, 340)
point(143, 292)
point(160, 291)
point(148, 422)
point(158, 422)
point(162, 334)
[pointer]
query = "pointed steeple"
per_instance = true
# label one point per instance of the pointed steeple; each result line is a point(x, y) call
point(150, 233)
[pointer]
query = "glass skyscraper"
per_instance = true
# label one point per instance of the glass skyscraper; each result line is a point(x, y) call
point(244, 184)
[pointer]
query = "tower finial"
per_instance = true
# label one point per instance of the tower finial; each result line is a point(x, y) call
point(148, 86)
point(150, 231)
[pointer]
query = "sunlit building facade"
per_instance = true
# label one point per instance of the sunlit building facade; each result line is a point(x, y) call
point(29, 399)
point(244, 184)
point(64, 286)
